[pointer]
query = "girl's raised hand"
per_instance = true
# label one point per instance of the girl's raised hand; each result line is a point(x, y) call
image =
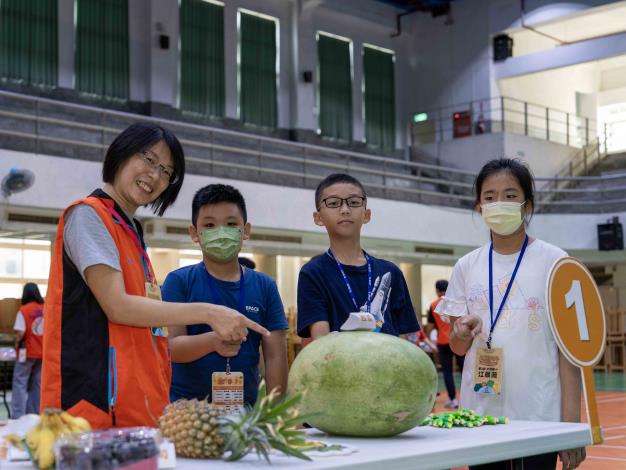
point(467, 327)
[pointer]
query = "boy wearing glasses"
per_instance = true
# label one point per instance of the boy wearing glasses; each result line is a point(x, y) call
point(345, 278)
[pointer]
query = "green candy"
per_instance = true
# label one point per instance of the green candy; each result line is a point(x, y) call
point(463, 417)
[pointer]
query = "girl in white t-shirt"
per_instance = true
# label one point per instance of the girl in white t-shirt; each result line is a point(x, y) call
point(522, 374)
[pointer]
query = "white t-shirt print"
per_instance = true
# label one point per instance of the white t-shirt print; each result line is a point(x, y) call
point(531, 388)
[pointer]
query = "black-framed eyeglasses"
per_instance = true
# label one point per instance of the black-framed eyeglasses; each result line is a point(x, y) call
point(334, 202)
point(165, 173)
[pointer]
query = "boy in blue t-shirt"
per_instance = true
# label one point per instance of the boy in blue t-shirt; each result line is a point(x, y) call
point(341, 280)
point(219, 226)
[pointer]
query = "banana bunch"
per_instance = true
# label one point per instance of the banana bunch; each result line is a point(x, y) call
point(53, 423)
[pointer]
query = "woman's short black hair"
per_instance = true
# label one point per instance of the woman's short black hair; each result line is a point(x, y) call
point(137, 138)
point(31, 294)
point(516, 168)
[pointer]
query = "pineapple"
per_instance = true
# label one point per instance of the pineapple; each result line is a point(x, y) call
point(200, 430)
point(192, 425)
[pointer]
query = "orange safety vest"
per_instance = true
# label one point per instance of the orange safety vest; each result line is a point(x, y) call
point(443, 328)
point(112, 375)
point(33, 335)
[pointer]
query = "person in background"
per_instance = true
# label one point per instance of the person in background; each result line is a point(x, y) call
point(422, 341)
point(247, 263)
point(446, 356)
point(29, 338)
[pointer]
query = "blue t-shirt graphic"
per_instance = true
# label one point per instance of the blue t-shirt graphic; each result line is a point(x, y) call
point(323, 295)
point(262, 304)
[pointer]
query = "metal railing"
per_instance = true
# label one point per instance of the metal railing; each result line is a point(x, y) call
point(502, 114)
point(57, 128)
point(579, 164)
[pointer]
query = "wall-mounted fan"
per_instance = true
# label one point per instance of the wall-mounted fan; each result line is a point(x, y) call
point(15, 181)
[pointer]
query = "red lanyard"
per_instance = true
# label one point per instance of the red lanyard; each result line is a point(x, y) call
point(145, 260)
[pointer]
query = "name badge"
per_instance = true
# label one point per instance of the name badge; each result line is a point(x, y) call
point(488, 371)
point(153, 291)
point(227, 391)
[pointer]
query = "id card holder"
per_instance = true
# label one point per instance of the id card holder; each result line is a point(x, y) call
point(153, 291)
point(488, 371)
point(227, 391)
point(21, 355)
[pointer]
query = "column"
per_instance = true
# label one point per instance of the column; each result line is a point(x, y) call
point(163, 262)
point(266, 264)
point(413, 276)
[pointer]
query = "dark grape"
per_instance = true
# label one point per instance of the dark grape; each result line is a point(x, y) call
point(107, 452)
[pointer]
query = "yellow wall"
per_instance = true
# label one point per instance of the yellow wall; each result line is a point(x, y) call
point(431, 274)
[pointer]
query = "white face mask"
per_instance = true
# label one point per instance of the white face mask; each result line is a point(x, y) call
point(502, 217)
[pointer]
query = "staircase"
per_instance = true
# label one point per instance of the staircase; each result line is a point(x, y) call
point(592, 179)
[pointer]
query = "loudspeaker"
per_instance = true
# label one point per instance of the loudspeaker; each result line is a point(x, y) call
point(502, 47)
point(164, 41)
point(610, 236)
point(307, 76)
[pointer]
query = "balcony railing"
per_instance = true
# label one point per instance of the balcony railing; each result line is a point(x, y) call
point(57, 128)
point(502, 114)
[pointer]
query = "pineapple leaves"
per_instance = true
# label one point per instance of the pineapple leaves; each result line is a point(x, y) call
point(268, 424)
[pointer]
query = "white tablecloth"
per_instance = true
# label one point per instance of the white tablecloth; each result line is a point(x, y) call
point(420, 448)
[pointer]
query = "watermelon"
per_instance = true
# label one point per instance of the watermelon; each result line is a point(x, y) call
point(363, 384)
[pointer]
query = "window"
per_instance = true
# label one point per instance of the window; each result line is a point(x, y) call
point(12, 291)
point(202, 57)
point(22, 261)
point(11, 262)
point(258, 69)
point(182, 262)
point(379, 97)
point(102, 48)
point(334, 86)
point(28, 41)
point(36, 264)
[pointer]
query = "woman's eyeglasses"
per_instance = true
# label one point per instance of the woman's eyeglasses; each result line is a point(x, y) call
point(165, 173)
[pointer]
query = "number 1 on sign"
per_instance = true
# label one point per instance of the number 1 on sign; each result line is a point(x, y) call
point(575, 297)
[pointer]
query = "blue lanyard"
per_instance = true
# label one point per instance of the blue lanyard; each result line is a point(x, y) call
point(508, 288)
point(215, 297)
point(347, 281)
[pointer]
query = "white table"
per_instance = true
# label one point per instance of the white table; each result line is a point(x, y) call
point(420, 448)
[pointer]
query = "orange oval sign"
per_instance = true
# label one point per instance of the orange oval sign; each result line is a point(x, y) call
point(576, 312)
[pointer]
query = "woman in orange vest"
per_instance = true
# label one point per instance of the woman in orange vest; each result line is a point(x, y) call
point(29, 335)
point(105, 354)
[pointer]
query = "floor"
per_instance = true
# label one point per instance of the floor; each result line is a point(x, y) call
point(611, 398)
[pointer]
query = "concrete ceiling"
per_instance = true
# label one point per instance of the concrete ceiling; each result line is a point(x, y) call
point(587, 24)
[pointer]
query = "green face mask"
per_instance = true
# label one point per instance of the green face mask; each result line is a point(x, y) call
point(221, 244)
